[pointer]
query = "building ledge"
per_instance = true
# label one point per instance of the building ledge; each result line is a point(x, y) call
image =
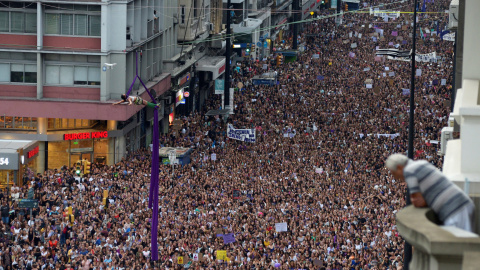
point(94, 110)
point(434, 247)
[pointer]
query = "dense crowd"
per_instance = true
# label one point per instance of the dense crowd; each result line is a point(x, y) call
point(317, 165)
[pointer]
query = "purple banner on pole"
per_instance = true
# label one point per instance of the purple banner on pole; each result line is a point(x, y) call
point(153, 198)
point(229, 238)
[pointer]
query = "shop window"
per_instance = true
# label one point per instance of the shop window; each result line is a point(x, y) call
point(9, 122)
point(59, 123)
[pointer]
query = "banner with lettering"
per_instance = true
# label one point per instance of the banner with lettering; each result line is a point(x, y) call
point(428, 57)
point(245, 135)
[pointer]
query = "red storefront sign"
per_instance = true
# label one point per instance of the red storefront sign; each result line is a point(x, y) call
point(221, 69)
point(32, 152)
point(85, 135)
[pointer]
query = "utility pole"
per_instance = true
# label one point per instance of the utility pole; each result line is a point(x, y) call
point(295, 10)
point(411, 126)
point(226, 91)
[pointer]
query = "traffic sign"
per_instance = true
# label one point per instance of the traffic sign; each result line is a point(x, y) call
point(26, 203)
point(186, 94)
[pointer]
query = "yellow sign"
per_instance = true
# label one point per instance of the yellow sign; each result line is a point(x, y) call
point(227, 259)
point(70, 210)
point(221, 254)
point(180, 260)
point(105, 193)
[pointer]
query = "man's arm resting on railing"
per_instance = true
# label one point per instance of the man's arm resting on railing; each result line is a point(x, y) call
point(418, 200)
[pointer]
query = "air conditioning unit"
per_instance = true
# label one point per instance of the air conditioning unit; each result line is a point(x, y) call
point(453, 15)
point(447, 134)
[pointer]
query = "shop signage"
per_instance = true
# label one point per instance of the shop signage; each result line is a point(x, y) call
point(85, 135)
point(184, 79)
point(8, 161)
point(32, 152)
point(221, 70)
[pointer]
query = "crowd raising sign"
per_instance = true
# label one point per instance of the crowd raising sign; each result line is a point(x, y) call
point(245, 135)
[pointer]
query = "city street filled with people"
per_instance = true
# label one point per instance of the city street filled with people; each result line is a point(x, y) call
point(323, 133)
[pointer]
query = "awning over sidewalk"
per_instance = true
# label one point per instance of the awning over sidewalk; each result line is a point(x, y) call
point(214, 64)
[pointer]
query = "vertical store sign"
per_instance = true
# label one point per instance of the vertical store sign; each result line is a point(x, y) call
point(219, 86)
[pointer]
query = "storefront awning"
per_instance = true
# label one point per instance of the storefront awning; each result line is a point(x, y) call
point(214, 64)
point(11, 146)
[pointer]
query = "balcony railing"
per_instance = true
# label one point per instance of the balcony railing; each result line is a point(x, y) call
point(435, 247)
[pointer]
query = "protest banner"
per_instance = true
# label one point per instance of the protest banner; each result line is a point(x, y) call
point(281, 227)
point(245, 135)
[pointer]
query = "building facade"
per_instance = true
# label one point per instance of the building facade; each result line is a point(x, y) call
point(64, 63)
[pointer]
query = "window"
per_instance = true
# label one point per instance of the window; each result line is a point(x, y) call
point(67, 24)
point(195, 7)
point(94, 26)
point(72, 24)
point(18, 122)
point(52, 24)
point(81, 25)
point(72, 75)
point(182, 14)
point(18, 22)
point(21, 73)
point(4, 72)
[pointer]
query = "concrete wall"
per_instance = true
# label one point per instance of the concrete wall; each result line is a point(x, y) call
point(471, 41)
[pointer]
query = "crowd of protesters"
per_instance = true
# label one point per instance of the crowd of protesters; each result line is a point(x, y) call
point(317, 164)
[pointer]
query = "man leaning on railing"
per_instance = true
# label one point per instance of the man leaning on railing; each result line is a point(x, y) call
point(429, 187)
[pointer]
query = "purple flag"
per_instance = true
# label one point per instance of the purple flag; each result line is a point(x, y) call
point(390, 43)
point(394, 33)
point(351, 54)
point(406, 92)
point(320, 77)
point(229, 238)
point(404, 42)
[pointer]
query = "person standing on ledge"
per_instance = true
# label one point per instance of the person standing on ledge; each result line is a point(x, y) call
point(135, 100)
point(429, 187)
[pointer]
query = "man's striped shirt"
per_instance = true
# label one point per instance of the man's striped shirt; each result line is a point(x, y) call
point(444, 197)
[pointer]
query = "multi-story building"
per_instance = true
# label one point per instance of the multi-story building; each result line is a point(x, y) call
point(64, 63)
point(199, 59)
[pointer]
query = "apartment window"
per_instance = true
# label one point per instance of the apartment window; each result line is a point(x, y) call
point(72, 24)
point(18, 22)
point(182, 14)
point(72, 75)
point(18, 73)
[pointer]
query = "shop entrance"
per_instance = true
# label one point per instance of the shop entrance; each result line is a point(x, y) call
point(74, 157)
point(11, 178)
